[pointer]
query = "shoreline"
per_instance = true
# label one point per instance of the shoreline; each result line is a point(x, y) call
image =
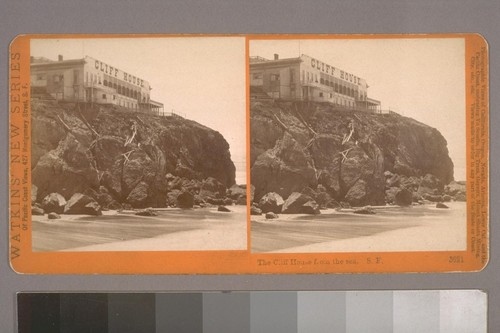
point(414, 228)
point(175, 229)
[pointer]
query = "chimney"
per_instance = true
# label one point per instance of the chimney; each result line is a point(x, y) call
point(60, 57)
point(276, 56)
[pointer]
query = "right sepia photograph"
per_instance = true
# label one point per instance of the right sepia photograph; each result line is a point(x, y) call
point(358, 144)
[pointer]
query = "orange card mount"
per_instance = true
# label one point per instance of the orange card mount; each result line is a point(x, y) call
point(247, 154)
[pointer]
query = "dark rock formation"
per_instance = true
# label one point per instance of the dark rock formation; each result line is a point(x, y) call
point(53, 216)
point(403, 197)
point(271, 202)
point(351, 156)
point(82, 204)
point(54, 202)
point(456, 190)
point(441, 205)
point(185, 199)
point(255, 211)
point(223, 209)
point(237, 192)
point(37, 211)
point(298, 203)
point(146, 212)
point(271, 215)
point(138, 158)
point(138, 197)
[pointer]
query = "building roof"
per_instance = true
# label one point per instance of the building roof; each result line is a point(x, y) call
point(262, 62)
point(57, 64)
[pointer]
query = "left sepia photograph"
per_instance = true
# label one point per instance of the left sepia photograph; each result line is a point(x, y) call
point(132, 148)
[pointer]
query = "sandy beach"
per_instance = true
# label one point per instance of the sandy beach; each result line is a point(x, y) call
point(417, 228)
point(173, 229)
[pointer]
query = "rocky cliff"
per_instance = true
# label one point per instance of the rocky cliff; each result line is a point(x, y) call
point(119, 157)
point(336, 156)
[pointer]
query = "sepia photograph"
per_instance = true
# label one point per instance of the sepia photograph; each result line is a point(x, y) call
point(138, 143)
point(358, 144)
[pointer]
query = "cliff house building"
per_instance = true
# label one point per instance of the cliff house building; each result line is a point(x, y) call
point(92, 81)
point(308, 79)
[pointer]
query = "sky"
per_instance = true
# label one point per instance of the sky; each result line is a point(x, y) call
point(421, 78)
point(202, 78)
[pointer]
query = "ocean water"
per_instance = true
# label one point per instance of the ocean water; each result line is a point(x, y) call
point(186, 229)
point(417, 228)
point(241, 168)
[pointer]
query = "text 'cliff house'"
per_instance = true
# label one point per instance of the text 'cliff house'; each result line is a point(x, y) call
point(92, 81)
point(307, 79)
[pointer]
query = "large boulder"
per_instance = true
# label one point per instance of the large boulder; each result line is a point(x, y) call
point(403, 197)
point(171, 200)
point(357, 194)
point(236, 192)
point(214, 186)
point(321, 196)
point(284, 169)
point(431, 181)
point(53, 216)
point(82, 204)
point(457, 190)
point(66, 170)
point(298, 203)
point(37, 211)
point(255, 211)
point(271, 216)
point(223, 209)
point(54, 202)
point(311, 207)
point(138, 197)
point(271, 202)
point(185, 199)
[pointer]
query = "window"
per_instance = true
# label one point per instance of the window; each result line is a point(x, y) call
point(75, 76)
point(320, 94)
point(105, 82)
point(40, 77)
point(57, 78)
point(103, 96)
point(257, 76)
point(275, 77)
